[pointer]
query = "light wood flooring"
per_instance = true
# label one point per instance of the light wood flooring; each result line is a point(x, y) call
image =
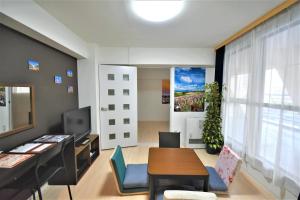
point(98, 182)
point(148, 132)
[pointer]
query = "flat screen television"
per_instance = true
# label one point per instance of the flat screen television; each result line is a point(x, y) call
point(77, 122)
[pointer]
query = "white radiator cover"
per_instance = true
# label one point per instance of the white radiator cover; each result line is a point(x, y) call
point(194, 129)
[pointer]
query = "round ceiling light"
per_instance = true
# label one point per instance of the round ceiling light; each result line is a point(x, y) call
point(157, 11)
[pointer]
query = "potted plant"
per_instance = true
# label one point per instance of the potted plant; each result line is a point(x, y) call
point(212, 135)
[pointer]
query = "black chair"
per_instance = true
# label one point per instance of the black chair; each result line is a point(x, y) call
point(169, 139)
point(48, 164)
point(46, 168)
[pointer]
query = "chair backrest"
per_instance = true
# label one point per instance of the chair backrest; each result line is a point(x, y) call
point(118, 166)
point(50, 154)
point(169, 139)
point(228, 165)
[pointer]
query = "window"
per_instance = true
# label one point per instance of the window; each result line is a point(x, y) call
point(126, 92)
point(111, 107)
point(110, 77)
point(126, 106)
point(280, 112)
point(112, 136)
point(126, 121)
point(125, 77)
point(111, 92)
point(21, 90)
point(111, 122)
point(261, 108)
point(127, 135)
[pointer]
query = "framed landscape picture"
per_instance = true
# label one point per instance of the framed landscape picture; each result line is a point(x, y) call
point(58, 79)
point(69, 73)
point(165, 92)
point(33, 65)
point(189, 89)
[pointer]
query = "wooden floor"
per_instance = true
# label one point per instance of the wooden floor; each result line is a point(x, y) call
point(148, 132)
point(98, 182)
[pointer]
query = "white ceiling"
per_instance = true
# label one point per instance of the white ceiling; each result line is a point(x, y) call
point(203, 23)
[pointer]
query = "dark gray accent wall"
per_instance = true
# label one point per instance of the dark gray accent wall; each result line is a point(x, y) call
point(51, 100)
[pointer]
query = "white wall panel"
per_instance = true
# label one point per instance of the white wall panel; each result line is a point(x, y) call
point(150, 107)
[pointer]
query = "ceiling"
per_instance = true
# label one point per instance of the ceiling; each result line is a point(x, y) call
point(111, 23)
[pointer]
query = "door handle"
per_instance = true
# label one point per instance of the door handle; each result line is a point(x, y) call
point(103, 109)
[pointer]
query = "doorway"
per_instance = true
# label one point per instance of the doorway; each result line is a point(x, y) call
point(153, 108)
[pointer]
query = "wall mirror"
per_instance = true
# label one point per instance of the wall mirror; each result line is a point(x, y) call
point(16, 108)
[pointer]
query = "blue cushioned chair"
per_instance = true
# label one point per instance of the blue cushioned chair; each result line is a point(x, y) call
point(130, 179)
point(215, 182)
point(224, 172)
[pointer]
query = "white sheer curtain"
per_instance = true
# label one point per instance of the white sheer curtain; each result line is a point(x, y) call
point(261, 109)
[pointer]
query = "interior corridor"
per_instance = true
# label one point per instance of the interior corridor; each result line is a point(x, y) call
point(148, 132)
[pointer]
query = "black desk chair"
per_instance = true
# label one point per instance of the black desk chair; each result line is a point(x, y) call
point(48, 164)
point(169, 139)
point(47, 168)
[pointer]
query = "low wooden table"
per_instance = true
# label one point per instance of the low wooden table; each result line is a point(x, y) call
point(175, 163)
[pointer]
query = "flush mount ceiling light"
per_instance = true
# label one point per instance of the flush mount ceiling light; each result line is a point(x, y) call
point(157, 10)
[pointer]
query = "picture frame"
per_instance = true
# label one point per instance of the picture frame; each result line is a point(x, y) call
point(58, 79)
point(69, 73)
point(70, 89)
point(189, 88)
point(165, 98)
point(33, 65)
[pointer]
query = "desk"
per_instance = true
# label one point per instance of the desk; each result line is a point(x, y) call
point(8, 175)
point(16, 176)
point(175, 163)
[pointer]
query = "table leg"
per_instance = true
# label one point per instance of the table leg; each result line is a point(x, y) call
point(152, 188)
point(205, 186)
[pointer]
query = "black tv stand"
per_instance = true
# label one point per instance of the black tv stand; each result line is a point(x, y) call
point(84, 156)
point(85, 141)
point(78, 142)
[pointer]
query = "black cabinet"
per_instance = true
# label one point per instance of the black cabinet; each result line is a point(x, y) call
point(82, 157)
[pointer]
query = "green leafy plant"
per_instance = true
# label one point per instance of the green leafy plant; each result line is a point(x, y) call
point(212, 135)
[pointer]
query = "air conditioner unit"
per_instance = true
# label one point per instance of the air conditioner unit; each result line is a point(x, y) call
point(194, 129)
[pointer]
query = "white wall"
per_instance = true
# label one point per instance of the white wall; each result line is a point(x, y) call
point(88, 87)
point(29, 18)
point(172, 56)
point(157, 56)
point(178, 119)
point(150, 107)
point(88, 77)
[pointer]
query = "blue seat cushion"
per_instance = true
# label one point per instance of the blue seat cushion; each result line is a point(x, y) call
point(215, 183)
point(136, 176)
point(160, 196)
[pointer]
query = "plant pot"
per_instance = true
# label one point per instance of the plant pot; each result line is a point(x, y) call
point(210, 150)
